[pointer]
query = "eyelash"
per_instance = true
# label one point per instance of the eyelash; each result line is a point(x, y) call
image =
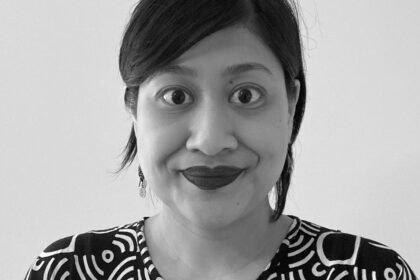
point(252, 88)
point(164, 91)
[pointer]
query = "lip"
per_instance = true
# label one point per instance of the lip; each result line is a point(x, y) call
point(211, 178)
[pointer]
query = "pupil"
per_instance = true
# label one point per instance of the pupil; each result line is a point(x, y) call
point(245, 95)
point(178, 97)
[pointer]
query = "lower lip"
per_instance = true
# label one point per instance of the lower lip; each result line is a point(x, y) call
point(211, 182)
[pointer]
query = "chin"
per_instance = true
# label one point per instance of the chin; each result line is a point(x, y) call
point(215, 215)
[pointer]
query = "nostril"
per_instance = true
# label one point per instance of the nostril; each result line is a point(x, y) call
point(212, 143)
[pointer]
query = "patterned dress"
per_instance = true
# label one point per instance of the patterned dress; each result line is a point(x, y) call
point(309, 251)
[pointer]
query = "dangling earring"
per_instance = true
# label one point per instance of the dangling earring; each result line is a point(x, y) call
point(142, 184)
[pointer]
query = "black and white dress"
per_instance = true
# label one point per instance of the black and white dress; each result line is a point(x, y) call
point(309, 251)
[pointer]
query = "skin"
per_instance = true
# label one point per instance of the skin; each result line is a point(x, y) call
point(201, 234)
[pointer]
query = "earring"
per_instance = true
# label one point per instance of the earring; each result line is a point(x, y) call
point(142, 184)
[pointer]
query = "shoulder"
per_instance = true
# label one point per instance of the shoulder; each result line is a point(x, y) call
point(90, 255)
point(321, 250)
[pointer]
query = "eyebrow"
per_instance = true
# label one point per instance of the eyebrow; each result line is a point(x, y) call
point(245, 67)
point(229, 71)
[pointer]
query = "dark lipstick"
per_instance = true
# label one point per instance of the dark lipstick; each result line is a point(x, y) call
point(211, 178)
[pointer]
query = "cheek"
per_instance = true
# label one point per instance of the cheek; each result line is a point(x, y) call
point(268, 131)
point(158, 139)
point(156, 145)
point(273, 149)
point(155, 150)
point(269, 140)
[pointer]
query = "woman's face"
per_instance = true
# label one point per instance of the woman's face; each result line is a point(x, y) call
point(222, 103)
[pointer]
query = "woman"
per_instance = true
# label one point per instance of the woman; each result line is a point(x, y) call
point(216, 91)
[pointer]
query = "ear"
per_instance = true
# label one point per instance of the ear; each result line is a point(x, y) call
point(292, 100)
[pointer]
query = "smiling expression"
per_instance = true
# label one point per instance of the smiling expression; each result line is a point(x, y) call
point(222, 103)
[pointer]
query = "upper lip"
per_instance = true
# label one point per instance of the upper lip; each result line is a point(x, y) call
point(205, 171)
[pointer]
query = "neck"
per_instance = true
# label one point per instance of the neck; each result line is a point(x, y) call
point(216, 249)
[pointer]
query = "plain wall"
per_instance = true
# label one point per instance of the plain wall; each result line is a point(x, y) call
point(63, 124)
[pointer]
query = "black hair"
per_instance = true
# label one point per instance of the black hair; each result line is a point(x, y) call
point(159, 31)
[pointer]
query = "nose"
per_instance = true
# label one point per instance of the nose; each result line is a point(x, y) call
point(212, 130)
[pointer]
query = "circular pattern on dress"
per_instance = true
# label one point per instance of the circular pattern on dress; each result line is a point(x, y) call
point(107, 256)
point(387, 273)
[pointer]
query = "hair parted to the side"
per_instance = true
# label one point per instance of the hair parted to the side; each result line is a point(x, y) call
point(159, 31)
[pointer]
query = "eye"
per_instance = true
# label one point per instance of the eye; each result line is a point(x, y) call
point(176, 96)
point(246, 96)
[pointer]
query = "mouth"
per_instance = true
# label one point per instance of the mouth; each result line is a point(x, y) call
point(211, 178)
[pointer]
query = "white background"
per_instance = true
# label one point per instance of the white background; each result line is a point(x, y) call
point(63, 124)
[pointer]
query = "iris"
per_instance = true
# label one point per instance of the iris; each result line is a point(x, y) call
point(245, 95)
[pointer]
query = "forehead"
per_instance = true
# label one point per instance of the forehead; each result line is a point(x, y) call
point(227, 47)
